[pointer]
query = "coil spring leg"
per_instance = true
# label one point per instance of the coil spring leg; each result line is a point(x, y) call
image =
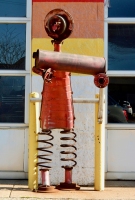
point(68, 184)
point(45, 179)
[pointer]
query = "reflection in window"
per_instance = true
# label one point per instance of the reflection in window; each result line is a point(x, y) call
point(12, 8)
point(121, 46)
point(121, 100)
point(12, 98)
point(12, 46)
point(121, 8)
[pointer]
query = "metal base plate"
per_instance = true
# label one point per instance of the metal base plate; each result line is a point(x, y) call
point(47, 189)
point(68, 186)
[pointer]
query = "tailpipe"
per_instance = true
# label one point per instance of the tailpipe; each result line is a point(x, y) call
point(74, 63)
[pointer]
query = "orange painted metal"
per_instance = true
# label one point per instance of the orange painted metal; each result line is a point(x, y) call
point(55, 67)
point(57, 104)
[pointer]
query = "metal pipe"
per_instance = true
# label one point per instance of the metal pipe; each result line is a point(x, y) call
point(99, 151)
point(33, 130)
point(68, 175)
point(101, 103)
point(45, 179)
point(75, 100)
point(68, 62)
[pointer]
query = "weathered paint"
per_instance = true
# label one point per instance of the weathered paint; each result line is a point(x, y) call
point(82, 46)
point(86, 39)
point(90, 47)
point(33, 134)
point(99, 151)
point(66, 62)
point(85, 167)
point(88, 19)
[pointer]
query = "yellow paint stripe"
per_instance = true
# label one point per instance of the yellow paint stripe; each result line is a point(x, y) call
point(90, 47)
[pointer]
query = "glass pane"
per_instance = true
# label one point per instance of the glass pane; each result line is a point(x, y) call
point(121, 46)
point(12, 46)
point(12, 8)
point(12, 98)
point(121, 100)
point(121, 8)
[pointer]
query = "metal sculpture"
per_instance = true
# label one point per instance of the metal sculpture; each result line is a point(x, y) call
point(57, 103)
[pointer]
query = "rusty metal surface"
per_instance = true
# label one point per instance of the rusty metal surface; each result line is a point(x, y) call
point(43, 152)
point(101, 80)
point(68, 174)
point(68, 62)
point(69, 143)
point(66, 186)
point(56, 105)
point(58, 24)
point(46, 189)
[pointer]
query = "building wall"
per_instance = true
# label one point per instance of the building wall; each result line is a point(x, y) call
point(86, 39)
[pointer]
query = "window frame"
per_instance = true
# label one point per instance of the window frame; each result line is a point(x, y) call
point(27, 71)
point(113, 73)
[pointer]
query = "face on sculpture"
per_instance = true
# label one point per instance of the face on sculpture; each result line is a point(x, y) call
point(58, 24)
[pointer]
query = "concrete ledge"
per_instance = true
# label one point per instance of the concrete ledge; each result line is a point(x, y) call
point(18, 189)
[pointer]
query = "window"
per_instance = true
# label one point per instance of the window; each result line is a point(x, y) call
point(12, 99)
point(12, 8)
point(15, 56)
point(120, 56)
point(121, 46)
point(121, 8)
point(121, 100)
point(12, 46)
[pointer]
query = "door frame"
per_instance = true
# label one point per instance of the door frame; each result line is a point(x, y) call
point(107, 20)
point(27, 74)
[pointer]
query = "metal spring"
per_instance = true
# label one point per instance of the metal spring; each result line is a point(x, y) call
point(70, 146)
point(44, 149)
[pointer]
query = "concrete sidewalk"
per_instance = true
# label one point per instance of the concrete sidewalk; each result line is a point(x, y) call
point(18, 189)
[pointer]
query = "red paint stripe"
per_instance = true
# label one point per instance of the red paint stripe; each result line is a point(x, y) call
point(95, 1)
